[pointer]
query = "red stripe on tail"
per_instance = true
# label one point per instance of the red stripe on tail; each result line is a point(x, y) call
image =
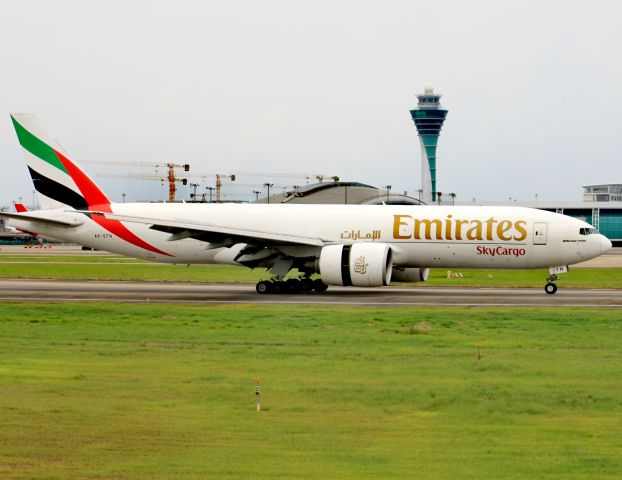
point(91, 192)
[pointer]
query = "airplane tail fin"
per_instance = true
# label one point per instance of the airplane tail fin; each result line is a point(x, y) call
point(20, 208)
point(58, 180)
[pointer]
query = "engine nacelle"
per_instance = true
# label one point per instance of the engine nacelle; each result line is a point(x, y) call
point(410, 274)
point(361, 264)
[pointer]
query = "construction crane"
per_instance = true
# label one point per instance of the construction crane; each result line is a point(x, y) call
point(272, 185)
point(221, 178)
point(172, 188)
point(222, 185)
point(306, 176)
point(171, 178)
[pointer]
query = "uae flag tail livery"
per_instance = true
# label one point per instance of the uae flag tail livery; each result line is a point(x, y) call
point(61, 183)
point(58, 181)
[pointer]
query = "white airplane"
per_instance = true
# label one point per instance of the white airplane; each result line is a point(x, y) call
point(359, 245)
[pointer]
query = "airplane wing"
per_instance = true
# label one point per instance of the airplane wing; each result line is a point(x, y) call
point(216, 235)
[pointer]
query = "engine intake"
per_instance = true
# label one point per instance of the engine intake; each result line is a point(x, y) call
point(360, 265)
point(410, 274)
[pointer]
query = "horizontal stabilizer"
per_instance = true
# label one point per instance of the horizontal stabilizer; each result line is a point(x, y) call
point(30, 217)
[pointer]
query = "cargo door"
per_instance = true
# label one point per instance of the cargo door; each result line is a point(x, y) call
point(539, 233)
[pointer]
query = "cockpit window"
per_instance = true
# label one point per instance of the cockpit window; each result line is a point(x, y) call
point(587, 231)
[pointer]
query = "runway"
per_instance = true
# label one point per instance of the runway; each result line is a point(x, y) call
point(165, 292)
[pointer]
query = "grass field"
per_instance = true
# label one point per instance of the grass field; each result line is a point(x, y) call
point(166, 391)
point(50, 258)
point(122, 269)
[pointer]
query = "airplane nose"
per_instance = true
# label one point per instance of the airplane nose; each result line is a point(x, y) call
point(605, 244)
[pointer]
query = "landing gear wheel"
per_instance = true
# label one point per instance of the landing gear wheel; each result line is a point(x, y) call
point(550, 288)
point(306, 284)
point(292, 285)
point(319, 286)
point(264, 287)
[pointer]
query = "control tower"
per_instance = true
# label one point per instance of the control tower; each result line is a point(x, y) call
point(428, 118)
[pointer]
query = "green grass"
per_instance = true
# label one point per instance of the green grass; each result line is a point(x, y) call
point(146, 272)
point(166, 391)
point(121, 270)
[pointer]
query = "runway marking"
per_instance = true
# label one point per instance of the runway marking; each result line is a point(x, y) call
point(229, 294)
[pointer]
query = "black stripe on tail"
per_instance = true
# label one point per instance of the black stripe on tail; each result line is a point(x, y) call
point(57, 191)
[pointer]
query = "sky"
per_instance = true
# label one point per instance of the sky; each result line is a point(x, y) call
point(533, 89)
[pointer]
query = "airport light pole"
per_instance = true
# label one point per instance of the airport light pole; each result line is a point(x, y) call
point(194, 195)
point(123, 196)
point(256, 192)
point(388, 189)
point(268, 185)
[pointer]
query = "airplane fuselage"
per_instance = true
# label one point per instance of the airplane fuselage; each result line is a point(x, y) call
point(419, 236)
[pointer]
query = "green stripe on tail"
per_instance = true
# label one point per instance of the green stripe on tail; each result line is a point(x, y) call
point(37, 147)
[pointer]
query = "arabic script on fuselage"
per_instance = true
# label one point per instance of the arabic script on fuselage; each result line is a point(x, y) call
point(358, 235)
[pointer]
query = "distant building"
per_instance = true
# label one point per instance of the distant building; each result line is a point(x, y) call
point(335, 193)
point(605, 216)
point(611, 192)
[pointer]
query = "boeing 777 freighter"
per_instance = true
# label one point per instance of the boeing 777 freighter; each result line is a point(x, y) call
point(359, 245)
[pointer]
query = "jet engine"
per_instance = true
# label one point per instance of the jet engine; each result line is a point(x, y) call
point(410, 274)
point(361, 264)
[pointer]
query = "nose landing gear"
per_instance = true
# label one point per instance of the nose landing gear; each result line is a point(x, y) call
point(551, 286)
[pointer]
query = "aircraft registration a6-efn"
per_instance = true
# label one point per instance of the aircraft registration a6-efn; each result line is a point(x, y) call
point(359, 245)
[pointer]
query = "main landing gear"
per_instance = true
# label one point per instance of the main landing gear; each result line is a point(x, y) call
point(291, 285)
